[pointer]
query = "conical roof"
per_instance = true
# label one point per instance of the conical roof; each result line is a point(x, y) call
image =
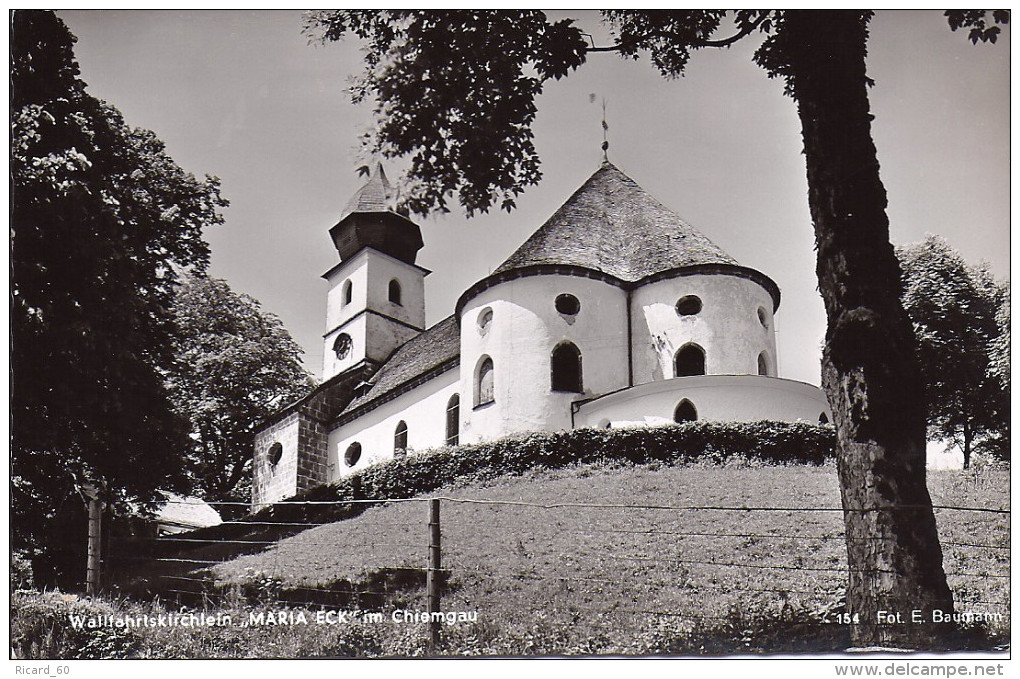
point(612, 225)
point(374, 196)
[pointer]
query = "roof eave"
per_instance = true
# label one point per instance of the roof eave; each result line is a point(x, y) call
point(721, 269)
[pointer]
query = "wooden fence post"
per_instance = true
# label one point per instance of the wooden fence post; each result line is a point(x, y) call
point(94, 557)
point(432, 575)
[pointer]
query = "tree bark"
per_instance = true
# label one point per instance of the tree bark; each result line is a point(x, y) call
point(968, 438)
point(869, 366)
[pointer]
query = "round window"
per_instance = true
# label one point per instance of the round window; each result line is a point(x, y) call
point(763, 318)
point(688, 306)
point(353, 454)
point(275, 453)
point(567, 304)
point(342, 345)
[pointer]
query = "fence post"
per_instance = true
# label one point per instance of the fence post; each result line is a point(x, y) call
point(94, 548)
point(432, 575)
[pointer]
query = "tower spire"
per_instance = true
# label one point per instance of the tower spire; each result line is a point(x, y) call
point(370, 220)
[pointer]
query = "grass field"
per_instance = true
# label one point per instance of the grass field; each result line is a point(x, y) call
point(566, 580)
point(608, 580)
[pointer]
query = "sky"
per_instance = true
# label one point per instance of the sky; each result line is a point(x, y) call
point(245, 96)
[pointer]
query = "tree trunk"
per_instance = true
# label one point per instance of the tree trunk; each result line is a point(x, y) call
point(967, 430)
point(869, 365)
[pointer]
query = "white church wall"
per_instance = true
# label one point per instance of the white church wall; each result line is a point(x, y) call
point(384, 336)
point(727, 328)
point(423, 409)
point(381, 270)
point(741, 398)
point(520, 338)
point(370, 272)
point(357, 330)
point(388, 325)
point(355, 271)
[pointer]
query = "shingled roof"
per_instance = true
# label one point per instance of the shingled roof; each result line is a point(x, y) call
point(612, 225)
point(431, 349)
point(374, 196)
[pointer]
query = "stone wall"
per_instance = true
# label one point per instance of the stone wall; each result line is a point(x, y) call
point(303, 432)
point(275, 482)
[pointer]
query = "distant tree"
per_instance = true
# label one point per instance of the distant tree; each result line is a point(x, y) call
point(956, 311)
point(999, 354)
point(235, 364)
point(456, 91)
point(101, 218)
point(997, 441)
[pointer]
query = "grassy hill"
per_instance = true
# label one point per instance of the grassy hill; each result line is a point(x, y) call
point(614, 580)
point(679, 576)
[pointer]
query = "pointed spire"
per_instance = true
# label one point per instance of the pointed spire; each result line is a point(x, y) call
point(375, 196)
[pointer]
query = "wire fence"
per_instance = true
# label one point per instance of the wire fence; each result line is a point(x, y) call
point(617, 561)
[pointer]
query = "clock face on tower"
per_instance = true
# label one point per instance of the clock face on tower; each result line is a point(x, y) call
point(342, 345)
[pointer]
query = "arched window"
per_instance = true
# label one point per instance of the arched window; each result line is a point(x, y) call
point(276, 453)
point(690, 360)
point(484, 389)
point(353, 454)
point(763, 364)
point(348, 292)
point(453, 420)
point(685, 412)
point(566, 368)
point(484, 320)
point(823, 419)
point(400, 439)
point(395, 291)
point(763, 317)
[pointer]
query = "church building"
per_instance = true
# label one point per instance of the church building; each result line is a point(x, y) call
point(614, 313)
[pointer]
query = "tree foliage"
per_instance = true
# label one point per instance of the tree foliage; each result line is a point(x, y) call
point(235, 364)
point(413, 59)
point(961, 319)
point(101, 220)
point(982, 27)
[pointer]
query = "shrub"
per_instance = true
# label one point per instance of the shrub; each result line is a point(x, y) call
point(41, 628)
point(21, 571)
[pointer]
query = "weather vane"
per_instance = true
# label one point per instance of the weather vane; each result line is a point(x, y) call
point(605, 128)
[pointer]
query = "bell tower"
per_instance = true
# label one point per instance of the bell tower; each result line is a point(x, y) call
point(376, 299)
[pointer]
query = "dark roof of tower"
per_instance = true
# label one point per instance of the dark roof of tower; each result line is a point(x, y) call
point(413, 360)
point(375, 196)
point(612, 225)
point(369, 220)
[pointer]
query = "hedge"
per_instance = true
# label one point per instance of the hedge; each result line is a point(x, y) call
point(412, 475)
